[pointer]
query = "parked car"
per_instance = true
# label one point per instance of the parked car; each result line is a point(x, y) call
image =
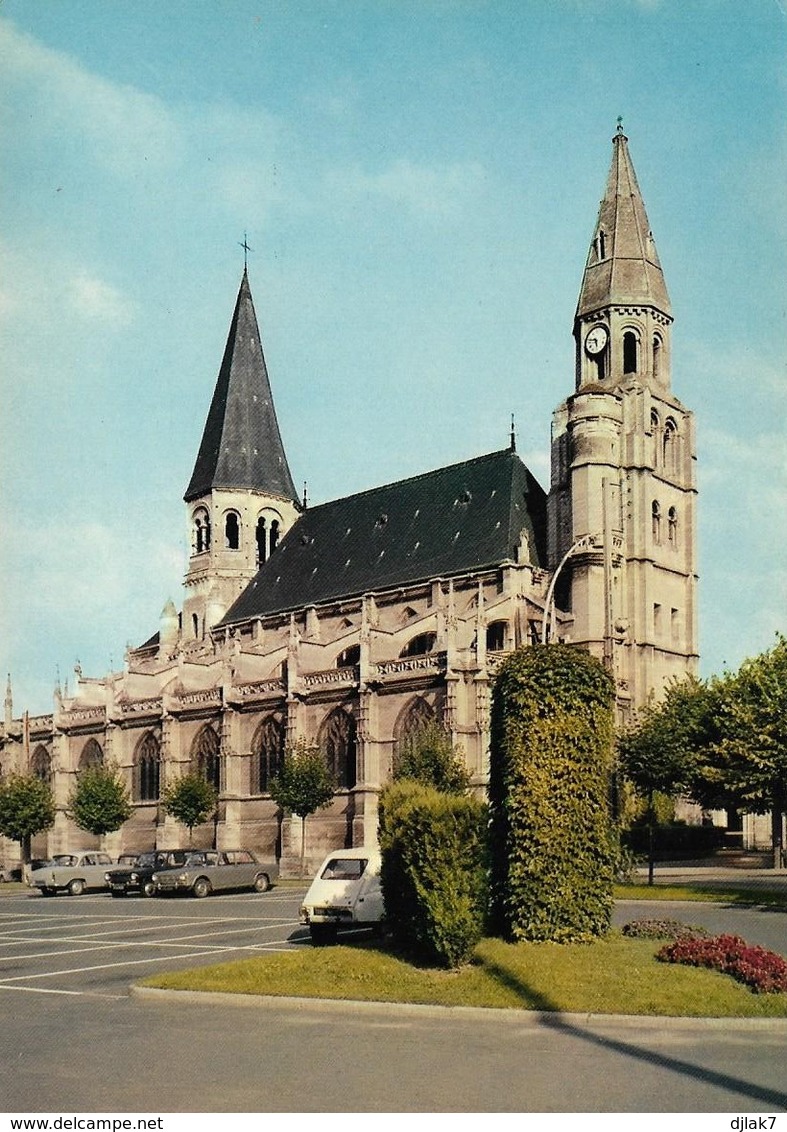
point(73, 873)
point(138, 877)
point(346, 892)
point(212, 870)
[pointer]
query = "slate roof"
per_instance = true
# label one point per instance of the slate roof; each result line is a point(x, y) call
point(628, 270)
point(241, 446)
point(447, 522)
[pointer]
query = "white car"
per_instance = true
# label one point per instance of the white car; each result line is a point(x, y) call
point(73, 873)
point(346, 892)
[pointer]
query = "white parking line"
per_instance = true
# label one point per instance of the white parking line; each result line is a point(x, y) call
point(112, 966)
point(9, 939)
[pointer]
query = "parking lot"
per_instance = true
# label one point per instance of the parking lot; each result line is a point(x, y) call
point(96, 945)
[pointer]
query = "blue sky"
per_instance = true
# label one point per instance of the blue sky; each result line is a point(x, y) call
point(419, 182)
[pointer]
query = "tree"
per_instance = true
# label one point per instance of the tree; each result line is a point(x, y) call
point(751, 751)
point(552, 844)
point(665, 751)
point(27, 807)
point(303, 785)
point(190, 800)
point(99, 802)
point(428, 757)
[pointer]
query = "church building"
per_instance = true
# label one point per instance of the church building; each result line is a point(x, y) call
point(351, 623)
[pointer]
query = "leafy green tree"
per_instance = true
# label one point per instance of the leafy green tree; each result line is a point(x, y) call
point(99, 802)
point(27, 807)
point(190, 800)
point(551, 755)
point(428, 757)
point(303, 785)
point(667, 749)
point(751, 750)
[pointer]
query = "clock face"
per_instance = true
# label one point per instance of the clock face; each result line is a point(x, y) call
point(596, 340)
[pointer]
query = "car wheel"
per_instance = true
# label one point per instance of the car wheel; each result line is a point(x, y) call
point(76, 887)
point(323, 935)
point(261, 883)
point(148, 888)
point(201, 887)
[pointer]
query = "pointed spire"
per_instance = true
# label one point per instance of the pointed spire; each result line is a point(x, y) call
point(623, 265)
point(241, 446)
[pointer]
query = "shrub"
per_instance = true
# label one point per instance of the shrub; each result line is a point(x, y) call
point(662, 929)
point(675, 839)
point(764, 971)
point(428, 756)
point(433, 872)
point(553, 848)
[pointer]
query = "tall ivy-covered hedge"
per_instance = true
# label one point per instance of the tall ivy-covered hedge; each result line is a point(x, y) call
point(434, 876)
point(551, 757)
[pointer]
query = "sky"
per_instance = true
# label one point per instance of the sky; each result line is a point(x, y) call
point(418, 181)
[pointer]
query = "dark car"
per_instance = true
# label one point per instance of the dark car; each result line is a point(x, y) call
point(138, 877)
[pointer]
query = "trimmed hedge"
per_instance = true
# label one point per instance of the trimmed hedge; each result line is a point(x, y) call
point(433, 872)
point(553, 846)
point(676, 839)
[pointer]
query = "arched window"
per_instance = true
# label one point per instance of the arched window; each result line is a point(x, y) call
point(414, 717)
point(670, 445)
point(274, 535)
point(262, 541)
point(201, 539)
point(147, 768)
point(339, 743)
point(231, 531)
point(496, 634)
point(206, 757)
point(195, 624)
point(41, 764)
point(672, 526)
point(92, 756)
point(419, 645)
point(655, 512)
point(630, 352)
point(657, 347)
point(349, 657)
point(268, 752)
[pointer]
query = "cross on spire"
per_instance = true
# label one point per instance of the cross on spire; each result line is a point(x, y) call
point(246, 250)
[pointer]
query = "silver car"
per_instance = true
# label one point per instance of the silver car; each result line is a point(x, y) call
point(73, 873)
point(213, 870)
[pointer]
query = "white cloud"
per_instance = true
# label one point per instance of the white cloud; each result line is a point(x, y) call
point(441, 191)
point(98, 301)
point(124, 127)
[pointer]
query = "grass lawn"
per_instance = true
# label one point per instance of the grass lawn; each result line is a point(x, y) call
point(709, 893)
point(612, 976)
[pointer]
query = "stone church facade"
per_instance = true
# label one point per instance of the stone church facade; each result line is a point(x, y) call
point(351, 623)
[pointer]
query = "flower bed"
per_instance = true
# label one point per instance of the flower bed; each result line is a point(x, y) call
point(663, 928)
point(764, 971)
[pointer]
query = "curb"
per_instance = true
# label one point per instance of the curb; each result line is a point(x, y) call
point(529, 1018)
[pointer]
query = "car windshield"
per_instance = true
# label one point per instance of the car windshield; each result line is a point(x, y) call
point(145, 860)
point(344, 868)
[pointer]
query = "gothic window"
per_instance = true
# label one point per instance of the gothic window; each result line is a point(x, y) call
point(206, 757)
point(669, 445)
point(195, 624)
point(268, 752)
point(496, 636)
point(41, 764)
point(349, 657)
point(201, 541)
point(92, 756)
point(147, 768)
point(231, 531)
point(262, 543)
point(417, 715)
point(339, 743)
point(630, 352)
point(672, 526)
point(419, 645)
point(274, 535)
point(655, 513)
